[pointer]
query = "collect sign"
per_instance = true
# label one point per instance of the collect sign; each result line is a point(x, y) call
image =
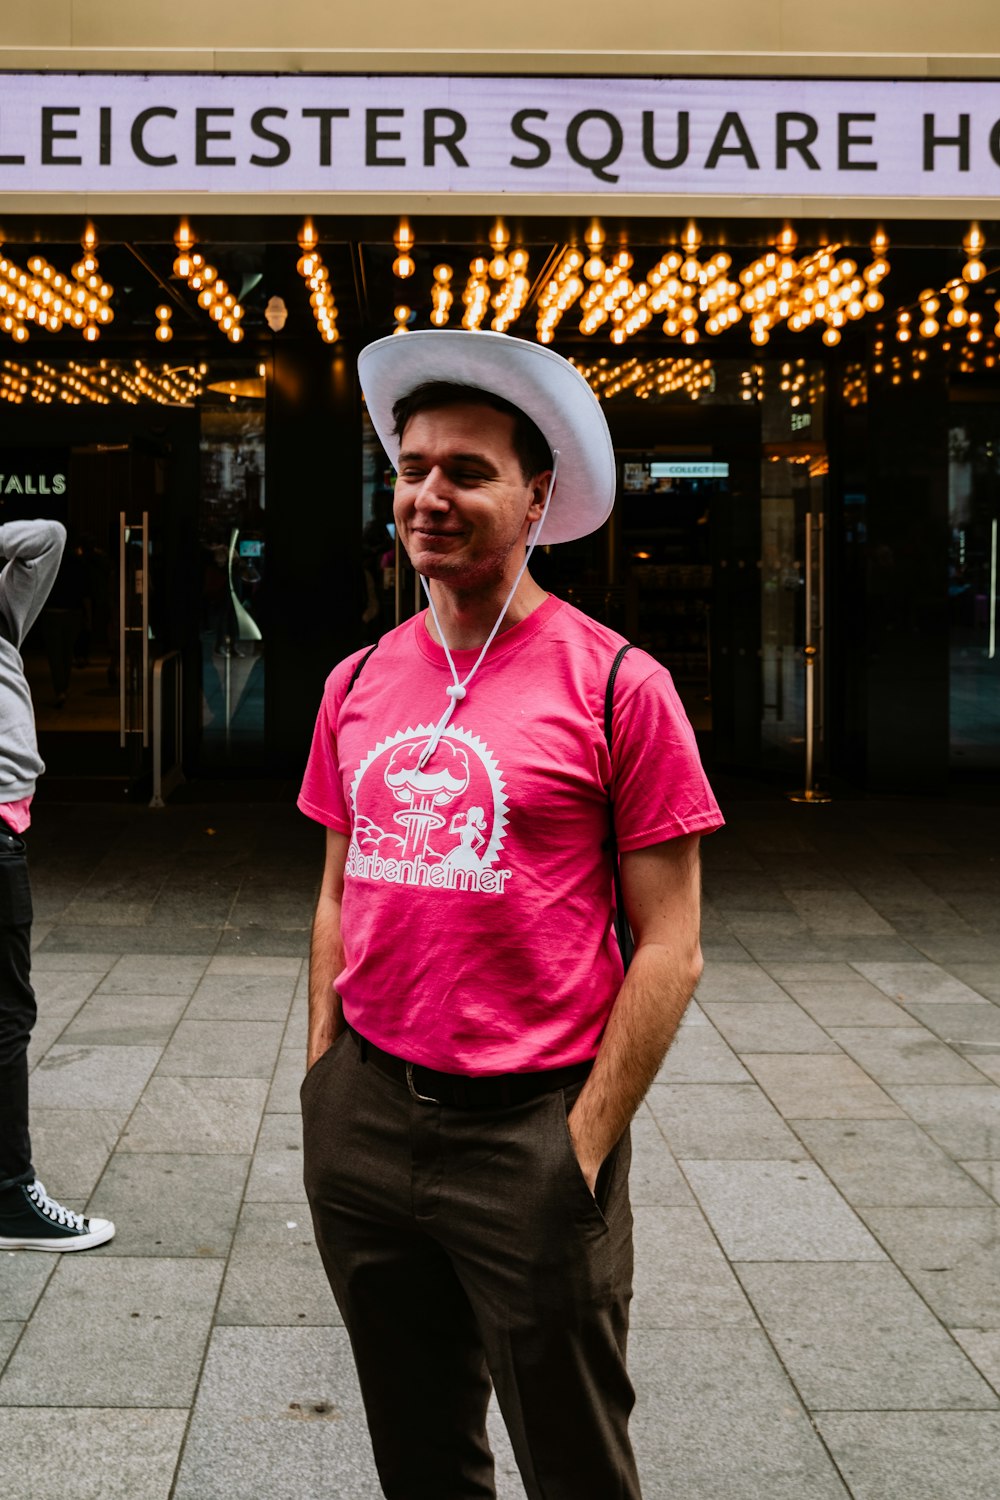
point(62, 132)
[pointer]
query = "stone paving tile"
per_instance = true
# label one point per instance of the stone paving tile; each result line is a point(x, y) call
point(96, 1454)
point(265, 941)
point(858, 1338)
point(682, 1279)
point(699, 1055)
point(953, 950)
point(248, 965)
point(950, 1255)
point(902, 1055)
point(9, 1335)
point(23, 1278)
point(770, 1027)
point(255, 1430)
point(60, 993)
point(985, 1172)
point(85, 1077)
point(725, 951)
point(73, 962)
point(837, 912)
point(154, 974)
point(984, 1351)
point(276, 1174)
point(172, 1205)
point(717, 1416)
point(222, 1049)
point(806, 1087)
point(888, 1163)
point(283, 1098)
point(71, 1147)
point(974, 1026)
point(655, 1179)
point(109, 1331)
point(826, 971)
point(144, 941)
point(856, 1003)
point(777, 1210)
point(722, 1122)
point(46, 1031)
point(923, 982)
point(964, 1119)
point(125, 1020)
point(275, 1276)
point(984, 978)
point(737, 982)
point(730, 893)
point(206, 906)
point(194, 1115)
point(106, 913)
point(242, 997)
point(827, 947)
point(750, 926)
point(915, 1455)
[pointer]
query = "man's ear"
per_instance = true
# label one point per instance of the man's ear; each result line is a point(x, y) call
point(539, 490)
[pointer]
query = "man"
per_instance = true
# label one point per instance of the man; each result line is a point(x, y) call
point(475, 1056)
point(29, 1218)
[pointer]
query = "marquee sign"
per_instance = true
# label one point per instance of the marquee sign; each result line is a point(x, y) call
point(191, 133)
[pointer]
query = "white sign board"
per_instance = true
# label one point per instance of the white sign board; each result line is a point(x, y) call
point(63, 132)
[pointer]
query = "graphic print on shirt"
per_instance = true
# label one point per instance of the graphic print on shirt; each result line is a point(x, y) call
point(441, 827)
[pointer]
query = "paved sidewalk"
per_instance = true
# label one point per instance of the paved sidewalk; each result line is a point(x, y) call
point(817, 1172)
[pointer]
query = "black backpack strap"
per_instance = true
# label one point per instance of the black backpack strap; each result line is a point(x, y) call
point(357, 670)
point(622, 930)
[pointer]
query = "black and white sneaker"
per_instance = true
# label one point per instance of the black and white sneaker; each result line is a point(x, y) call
point(31, 1220)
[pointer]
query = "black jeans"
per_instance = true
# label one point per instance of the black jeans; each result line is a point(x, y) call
point(17, 1009)
point(464, 1248)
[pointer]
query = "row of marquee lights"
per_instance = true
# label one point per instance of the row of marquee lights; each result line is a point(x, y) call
point(42, 296)
point(821, 288)
point(100, 384)
point(801, 381)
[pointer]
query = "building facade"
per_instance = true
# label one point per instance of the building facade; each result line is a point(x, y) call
point(775, 262)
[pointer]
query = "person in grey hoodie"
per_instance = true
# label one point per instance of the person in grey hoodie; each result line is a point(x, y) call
point(30, 1219)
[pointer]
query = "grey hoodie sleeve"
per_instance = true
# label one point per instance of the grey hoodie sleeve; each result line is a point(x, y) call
point(31, 552)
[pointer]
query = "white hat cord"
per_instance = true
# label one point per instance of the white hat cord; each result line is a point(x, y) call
point(457, 689)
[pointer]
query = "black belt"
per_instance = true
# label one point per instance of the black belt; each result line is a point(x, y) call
point(491, 1091)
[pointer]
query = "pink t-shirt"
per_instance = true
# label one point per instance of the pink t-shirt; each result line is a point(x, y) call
point(478, 904)
point(17, 815)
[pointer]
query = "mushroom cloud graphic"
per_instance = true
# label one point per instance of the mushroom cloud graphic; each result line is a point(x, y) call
point(425, 791)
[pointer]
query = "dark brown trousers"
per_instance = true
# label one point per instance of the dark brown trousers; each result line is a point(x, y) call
point(463, 1248)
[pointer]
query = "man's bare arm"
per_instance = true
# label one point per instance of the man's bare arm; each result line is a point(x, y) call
point(662, 888)
point(326, 953)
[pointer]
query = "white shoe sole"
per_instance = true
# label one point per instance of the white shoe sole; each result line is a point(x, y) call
point(71, 1242)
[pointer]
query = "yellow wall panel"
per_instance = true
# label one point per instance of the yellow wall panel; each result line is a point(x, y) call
point(454, 24)
point(35, 26)
point(972, 26)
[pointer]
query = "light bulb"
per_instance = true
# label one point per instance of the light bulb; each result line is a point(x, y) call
point(404, 266)
point(973, 270)
point(164, 333)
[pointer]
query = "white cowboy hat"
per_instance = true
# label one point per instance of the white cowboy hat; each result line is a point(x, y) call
point(546, 387)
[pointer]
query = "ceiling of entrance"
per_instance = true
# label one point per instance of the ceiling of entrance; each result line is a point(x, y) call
point(154, 309)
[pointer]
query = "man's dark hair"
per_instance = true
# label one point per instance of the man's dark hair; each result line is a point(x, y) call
point(533, 452)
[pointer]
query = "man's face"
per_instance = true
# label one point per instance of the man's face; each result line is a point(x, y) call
point(462, 505)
